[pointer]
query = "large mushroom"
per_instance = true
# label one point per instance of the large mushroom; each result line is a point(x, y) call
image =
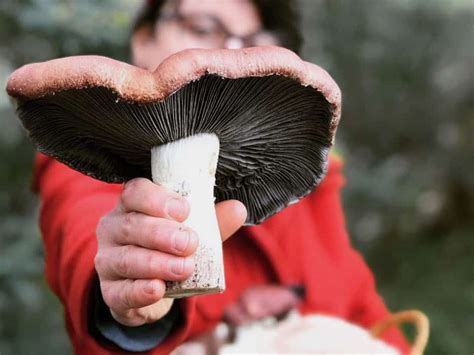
point(251, 124)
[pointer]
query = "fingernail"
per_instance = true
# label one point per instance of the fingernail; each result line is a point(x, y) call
point(181, 239)
point(176, 208)
point(177, 266)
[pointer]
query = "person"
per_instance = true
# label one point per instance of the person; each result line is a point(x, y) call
point(110, 248)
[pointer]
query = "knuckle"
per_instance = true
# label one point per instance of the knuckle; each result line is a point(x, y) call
point(123, 267)
point(125, 197)
point(131, 184)
point(160, 236)
point(99, 262)
point(127, 225)
point(123, 263)
point(152, 264)
point(108, 296)
point(130, 188)
point(156, 228)
point(101, 227)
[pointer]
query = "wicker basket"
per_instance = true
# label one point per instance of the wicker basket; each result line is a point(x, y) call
point(418, 318)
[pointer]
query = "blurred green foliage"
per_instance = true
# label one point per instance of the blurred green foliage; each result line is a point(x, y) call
point(406, 72)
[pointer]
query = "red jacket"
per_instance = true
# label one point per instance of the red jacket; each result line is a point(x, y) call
point(304, 244)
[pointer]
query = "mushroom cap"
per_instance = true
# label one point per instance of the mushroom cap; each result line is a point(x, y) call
point(274, 114)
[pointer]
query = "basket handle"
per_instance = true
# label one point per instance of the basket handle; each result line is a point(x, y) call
point(420, 321)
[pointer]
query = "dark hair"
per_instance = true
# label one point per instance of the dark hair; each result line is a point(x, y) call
point(279, 16)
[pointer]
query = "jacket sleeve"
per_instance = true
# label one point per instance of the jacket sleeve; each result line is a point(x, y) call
point(71, 206)
point(107, 331)
point(366, 306)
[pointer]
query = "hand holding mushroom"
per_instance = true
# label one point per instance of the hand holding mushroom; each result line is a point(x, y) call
point(143, 242)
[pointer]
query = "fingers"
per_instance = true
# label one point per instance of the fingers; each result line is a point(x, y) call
point(231, 215)
point(122, 295)
point(142, 200)
point(149, 232)
point(142, 243)
point(139, 316)
point(236, 315)
point(260, 302)
point(255, 301)
point(132, 262)
point(142, 195)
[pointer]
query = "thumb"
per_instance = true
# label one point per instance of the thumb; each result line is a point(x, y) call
point(231, 215)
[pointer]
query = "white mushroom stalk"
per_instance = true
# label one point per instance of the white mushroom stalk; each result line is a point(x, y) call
point(188, 167)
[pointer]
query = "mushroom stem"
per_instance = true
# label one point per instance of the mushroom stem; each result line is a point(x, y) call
point(188, 167)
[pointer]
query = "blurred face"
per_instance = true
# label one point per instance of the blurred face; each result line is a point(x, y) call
point(199, 24)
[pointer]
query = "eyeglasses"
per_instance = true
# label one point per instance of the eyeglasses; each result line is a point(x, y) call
point(210, 31)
